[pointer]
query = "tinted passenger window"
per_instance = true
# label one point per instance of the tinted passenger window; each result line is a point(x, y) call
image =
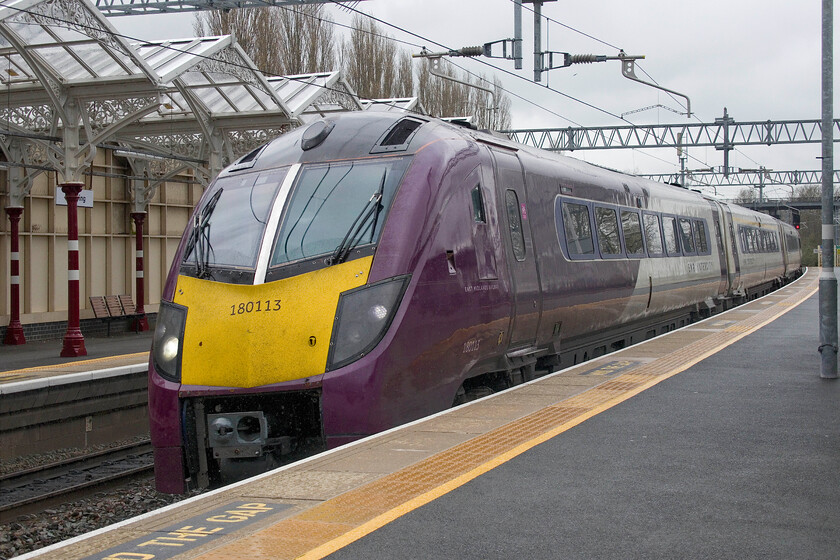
point(577, 228)
point(478, 205)
point(517, 239)
point(607, 223)
point(685, 235)
point(700, 236)
point(632, 228)
point(669, 226)
point(792, 243)
point(653, 234)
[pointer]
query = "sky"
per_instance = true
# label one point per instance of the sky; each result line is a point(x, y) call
point(759, 59)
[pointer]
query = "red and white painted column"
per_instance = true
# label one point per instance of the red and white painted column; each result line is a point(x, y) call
point(142, 323)
point(74, 342)
point(14, 332)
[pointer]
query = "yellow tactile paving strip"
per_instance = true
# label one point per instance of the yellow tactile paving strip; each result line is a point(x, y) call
point(342, 496)
point(331, 524)
point(81, 366)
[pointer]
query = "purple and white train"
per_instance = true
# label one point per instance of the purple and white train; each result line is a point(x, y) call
point(371, 269)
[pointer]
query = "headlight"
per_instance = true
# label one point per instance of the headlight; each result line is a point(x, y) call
point(363, 317)
point(168, 341)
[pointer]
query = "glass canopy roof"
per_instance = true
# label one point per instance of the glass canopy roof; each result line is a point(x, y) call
point(63, 65)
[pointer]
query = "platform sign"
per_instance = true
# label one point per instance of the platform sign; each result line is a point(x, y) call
point(190, 533)
point(85, 198)
point(612, 368)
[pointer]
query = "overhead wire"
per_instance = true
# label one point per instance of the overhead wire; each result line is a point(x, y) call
point(411, 33)
point(637, 65)
point(441, 45)
point(497, 68)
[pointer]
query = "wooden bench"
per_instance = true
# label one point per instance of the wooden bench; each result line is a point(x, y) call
point(109, 308)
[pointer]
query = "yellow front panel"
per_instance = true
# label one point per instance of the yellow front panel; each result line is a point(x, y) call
point(247, 336)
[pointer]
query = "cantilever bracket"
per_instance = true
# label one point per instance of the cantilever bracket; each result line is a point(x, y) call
point(628, 70)
point(435, 70)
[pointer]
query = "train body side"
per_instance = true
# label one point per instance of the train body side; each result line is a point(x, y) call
point(491, 282)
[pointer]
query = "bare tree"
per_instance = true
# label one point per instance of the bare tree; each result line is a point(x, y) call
point(446, 98)
point(808, 192)
point(280, 40)
point(373, 63)
point(298, 40)
point(746, 196)
point(405, 75)
point(810, 222)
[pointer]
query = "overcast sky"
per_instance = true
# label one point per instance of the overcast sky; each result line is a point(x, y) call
point(760, 59)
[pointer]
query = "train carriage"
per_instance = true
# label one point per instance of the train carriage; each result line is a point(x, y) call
point(370, 269)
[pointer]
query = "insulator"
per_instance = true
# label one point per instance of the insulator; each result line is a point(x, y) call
point(583, 58)
point(471, 51)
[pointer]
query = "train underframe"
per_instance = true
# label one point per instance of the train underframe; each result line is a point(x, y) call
point(231, 437)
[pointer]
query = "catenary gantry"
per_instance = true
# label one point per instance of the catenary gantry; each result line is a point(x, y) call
point(720, 134)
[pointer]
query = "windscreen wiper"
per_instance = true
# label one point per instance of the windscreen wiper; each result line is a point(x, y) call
point(380, 192)
point(371, 208)
point(343, 250)
point(199, 241)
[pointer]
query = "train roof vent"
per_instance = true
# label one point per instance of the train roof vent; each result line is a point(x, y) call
point(397, 138)
point(248, 160)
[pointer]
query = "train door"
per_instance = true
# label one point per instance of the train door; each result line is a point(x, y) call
point(521, 257)
point(724, 278)
point(783, 246)
point(734, 263)
point(485, 225)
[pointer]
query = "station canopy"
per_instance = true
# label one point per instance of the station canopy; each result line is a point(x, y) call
point(69, 83)
point(400, 104)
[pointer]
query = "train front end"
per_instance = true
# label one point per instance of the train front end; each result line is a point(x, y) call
point(270, 290)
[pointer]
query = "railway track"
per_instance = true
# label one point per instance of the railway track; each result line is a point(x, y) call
point(37, 489)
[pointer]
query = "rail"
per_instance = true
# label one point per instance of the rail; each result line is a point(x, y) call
point(38, 488)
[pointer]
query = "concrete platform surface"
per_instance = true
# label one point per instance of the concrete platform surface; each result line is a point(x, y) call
point(718, 440)
point(35, 360)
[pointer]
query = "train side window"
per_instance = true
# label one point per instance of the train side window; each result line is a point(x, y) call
point(792, 243)
point(631, 225)
point(609, 242)
point(685, 235)
point(742, 234)
point(517, 238)
point(653, 234)
point(478, 205)
point(669, 227)
point(576, 226)
point(700, 239)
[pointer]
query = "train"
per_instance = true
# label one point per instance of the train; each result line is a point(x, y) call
point(369, 269)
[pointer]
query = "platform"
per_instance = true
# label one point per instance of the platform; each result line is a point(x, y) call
point(41, 359)
point(716, 440)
